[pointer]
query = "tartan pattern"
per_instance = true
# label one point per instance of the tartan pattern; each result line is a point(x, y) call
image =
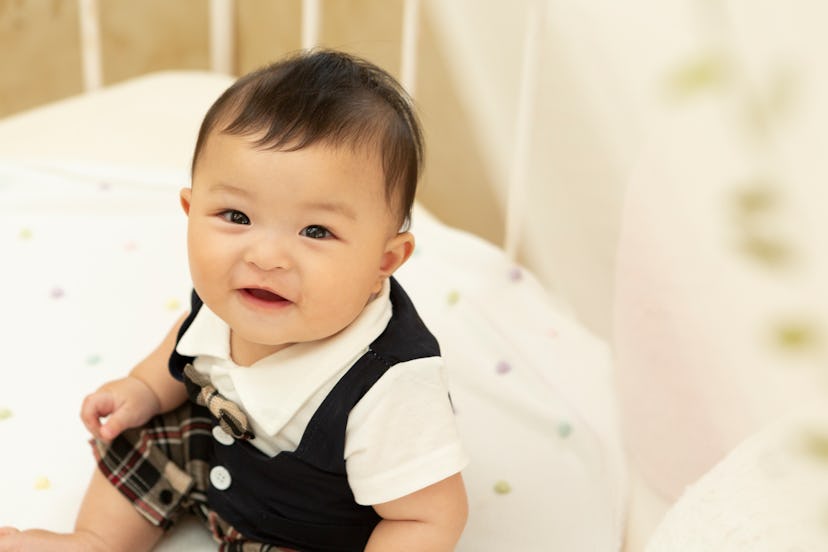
point(232, 541)
point(152, 467)
point(163, 470)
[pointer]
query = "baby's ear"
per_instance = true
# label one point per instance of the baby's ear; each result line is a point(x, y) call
point(185, 196)
point(397, 251)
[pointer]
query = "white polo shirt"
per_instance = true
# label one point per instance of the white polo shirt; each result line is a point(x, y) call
point(400, 437)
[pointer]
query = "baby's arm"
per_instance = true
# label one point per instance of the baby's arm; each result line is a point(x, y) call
point(149, 389)
point(430, 519)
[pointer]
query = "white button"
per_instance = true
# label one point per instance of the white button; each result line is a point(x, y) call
point(220, 478)
point(222, 436)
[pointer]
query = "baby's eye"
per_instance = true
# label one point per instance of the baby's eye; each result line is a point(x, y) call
point(235, 217)
point(316, 232)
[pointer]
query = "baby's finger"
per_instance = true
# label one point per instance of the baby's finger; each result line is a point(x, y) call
point(115, 424)
point(96, 406)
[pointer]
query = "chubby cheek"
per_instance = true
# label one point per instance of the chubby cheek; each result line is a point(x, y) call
point(342, 295)
point(206, 257)
point(195, 254)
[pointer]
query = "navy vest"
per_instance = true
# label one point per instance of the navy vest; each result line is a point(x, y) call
point(302, 499)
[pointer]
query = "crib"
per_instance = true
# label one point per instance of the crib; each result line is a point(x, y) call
point(562, 420)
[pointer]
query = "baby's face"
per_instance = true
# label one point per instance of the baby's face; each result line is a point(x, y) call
point(287, 247)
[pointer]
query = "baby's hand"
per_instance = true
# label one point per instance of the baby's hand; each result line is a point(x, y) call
point(125, 403)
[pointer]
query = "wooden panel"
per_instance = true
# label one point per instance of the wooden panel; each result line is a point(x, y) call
point(39, 53)
point(152, 35)
point(266, 31)
point(269, 30)
point(368, 28)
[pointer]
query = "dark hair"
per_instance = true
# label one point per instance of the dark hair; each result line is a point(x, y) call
point(326, 96)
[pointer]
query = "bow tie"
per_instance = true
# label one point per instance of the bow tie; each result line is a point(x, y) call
point(230, 416)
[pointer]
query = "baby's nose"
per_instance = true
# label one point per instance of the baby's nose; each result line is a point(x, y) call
point(268, 253)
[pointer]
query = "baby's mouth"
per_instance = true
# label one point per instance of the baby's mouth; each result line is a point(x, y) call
point(264, 295)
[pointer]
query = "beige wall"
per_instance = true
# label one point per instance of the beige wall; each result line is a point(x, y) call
point(150, 35)
point(265, 30)
point(39, 53)
point(40, 60)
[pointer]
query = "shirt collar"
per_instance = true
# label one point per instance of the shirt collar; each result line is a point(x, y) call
point(293, 374)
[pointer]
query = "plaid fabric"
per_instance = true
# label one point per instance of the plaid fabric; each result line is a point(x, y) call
point(163, 469)
point(232, 541)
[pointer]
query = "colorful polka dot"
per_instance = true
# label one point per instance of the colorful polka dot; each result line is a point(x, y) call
point(816, 445)
point(515, 274)
point(92, 360)
point(453, 297)
point(130, 246)
point(42, 483)
point(796, 335)
point(503, 367)
point(104, 186)
point(5, 413)
point(57, 293)
point(25, 234)
point(564, 429)
point(173, 304)
point(502, 487)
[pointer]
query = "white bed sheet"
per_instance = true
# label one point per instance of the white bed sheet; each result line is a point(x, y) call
point(95, 273)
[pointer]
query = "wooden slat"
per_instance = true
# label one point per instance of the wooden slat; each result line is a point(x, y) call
point(90, 35)
point(222, 36)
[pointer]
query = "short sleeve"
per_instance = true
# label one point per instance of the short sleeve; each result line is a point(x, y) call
point(402, 436)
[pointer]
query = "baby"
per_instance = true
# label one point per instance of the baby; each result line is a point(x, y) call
point(300, 404)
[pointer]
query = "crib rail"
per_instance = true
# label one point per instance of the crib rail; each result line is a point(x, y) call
point(90, 35)
point(222, 35)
